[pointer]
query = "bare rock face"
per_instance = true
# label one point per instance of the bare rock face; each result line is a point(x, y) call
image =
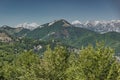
point(4, 37)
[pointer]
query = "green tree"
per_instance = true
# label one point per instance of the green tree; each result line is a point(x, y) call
point(60, 63)
point(55, 63)
point(96, 63)
point(23, 67)
point(74, 70)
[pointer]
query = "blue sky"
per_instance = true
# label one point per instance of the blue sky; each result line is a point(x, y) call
point(13, 12)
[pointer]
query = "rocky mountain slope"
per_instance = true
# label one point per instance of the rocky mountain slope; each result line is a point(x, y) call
point(99, 26)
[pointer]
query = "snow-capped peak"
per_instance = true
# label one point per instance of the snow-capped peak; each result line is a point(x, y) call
point(30, 26)
point(100, 26)
point(60, 20)
point(94, 23)
point(76, 22)
point(51, 23)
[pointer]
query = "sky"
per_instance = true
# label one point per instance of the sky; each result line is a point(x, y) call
point(13, 12)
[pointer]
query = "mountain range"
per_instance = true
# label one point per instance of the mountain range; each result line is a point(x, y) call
point(63, 32)
point(99, 26)
point(29, 26)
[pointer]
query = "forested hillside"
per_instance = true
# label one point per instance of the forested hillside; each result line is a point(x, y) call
point(61, 31)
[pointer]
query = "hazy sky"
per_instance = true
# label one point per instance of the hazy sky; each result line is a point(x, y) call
point(13, 12)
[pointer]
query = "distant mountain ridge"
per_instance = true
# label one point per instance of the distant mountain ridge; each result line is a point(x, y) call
point(99, 26)
point(63, 32)
point(29, 26)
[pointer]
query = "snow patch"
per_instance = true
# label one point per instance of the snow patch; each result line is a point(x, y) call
point(100, 26)
point(76, 22)
point(51, 23)
point(30, 26)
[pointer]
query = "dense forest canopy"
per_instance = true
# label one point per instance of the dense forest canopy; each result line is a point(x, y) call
point(60, 63)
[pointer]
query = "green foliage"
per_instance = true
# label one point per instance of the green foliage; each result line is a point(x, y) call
point(22, 67)
point(59, 63)
point(55, 63)
point(97, 62)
